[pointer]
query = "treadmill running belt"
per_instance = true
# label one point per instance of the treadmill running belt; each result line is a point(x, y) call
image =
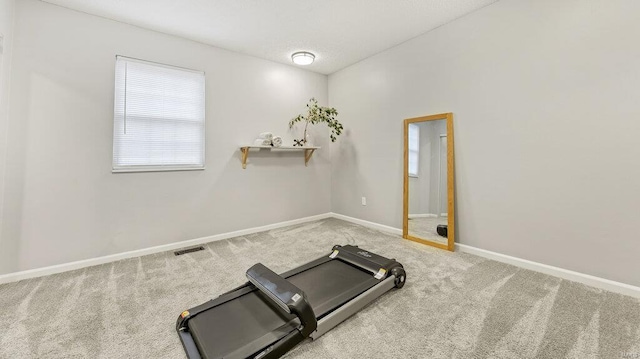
point(250, 320)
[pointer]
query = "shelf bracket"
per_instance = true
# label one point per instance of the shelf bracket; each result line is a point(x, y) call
point(307, 155)
point(245, 154)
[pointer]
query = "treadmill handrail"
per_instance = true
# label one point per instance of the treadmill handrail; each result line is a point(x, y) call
point(285, 294)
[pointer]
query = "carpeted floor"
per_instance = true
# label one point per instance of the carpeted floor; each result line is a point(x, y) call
point(454, 305)
point(425, 228)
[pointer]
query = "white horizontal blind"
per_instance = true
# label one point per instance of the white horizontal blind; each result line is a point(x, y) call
point(414, 148)
point(159, 117)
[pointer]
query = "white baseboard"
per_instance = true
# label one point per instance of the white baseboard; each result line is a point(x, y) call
point(590, 280)
point(587, 279)
point(65, 267)
point(423, 215)
point(362, 222)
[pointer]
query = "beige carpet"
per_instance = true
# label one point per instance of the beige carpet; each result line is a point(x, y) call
point(454, 305)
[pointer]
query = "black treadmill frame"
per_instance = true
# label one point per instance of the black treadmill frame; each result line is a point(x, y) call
point(380, 267)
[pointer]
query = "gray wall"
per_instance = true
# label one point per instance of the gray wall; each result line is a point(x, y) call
point(6, 30)
point(437, 128)
point(62, 203)
point(545, 101)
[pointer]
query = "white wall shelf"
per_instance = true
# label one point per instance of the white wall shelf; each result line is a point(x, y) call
point(308, 151)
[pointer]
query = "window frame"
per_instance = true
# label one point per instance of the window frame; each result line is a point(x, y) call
point(416, 153)
point(158, 168)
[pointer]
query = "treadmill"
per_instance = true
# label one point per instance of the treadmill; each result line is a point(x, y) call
point(271, 314)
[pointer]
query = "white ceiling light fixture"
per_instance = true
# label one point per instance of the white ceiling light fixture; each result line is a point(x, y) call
point(303, 58)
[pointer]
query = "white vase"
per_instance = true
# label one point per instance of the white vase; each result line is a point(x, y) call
point(307, 141)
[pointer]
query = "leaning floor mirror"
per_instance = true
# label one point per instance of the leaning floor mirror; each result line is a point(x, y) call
point(428, 181)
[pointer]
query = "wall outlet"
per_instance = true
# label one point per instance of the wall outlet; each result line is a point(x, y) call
point(364, 201)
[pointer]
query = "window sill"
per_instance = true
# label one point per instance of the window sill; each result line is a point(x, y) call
point(155, 169)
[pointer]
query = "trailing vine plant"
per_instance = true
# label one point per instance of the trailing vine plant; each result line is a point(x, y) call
point(317, 114)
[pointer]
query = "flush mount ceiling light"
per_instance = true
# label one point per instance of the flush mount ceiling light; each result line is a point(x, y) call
point(303, 58)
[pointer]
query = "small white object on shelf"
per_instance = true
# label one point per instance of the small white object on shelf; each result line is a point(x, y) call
point(266, 136)
point(276, 141)
point(261, 142)
point(308, 151)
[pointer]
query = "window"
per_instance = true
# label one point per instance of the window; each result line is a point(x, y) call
point(414, 147)
point(159, 117)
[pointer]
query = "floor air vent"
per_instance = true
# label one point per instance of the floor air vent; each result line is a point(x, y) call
point(188, 250)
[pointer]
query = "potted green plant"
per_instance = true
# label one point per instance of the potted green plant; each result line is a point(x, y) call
point(317, 114)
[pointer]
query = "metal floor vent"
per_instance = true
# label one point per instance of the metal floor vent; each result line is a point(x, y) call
point(188, 250)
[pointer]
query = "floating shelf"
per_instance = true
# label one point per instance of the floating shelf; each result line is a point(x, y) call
point(308, 151)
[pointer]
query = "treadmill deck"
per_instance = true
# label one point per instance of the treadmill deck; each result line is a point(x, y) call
point(251, 320)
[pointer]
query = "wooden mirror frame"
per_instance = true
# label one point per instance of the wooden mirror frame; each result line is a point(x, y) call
point(450, 183)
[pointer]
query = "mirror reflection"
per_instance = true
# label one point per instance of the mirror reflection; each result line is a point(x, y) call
point(428, 205)
point(428, 192)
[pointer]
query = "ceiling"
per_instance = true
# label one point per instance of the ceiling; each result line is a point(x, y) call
point(339, 32)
